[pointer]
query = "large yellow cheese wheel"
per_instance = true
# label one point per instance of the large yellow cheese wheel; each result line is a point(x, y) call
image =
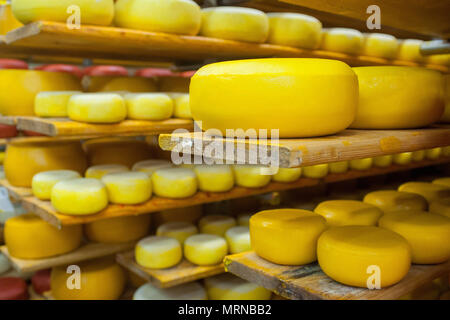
point(348, 212)
point(316, 171)
point(7, 20)
point(427, 233)
point(182, 107)
point(428, 190)
point(214, 178)
point(97, 108)
point(171, 16)
point(418, 155)
point(179, 230)
point(44, 181)
point(128, 187)
point(188, 214)
point(287, 174)
point(403, 158)
point(410, 50)
point(18, 88)
point(99, 12)
point(216, 224)
point(79, 196)
point(148, 106)
point(353, 254)
point(100, 170)
point(433, 153)
point(150, 166)
point(391, 200)
point(321, 95)
point(380, 45)
point(251, 176)
point(174, 182)
point(101, 279)
point(442, 181)
point(294, 30)
point(382, 161)
point(238, 239)
point(29, 237)
point(338, 167)
point(441, 206)
point(229, 287)
point(344, 40)
point(24, 160)
point(361, 164)
point(52, 103)
point(116, 230)
point(129, 84)
point(286, 236)
point(185, 291)
point(205, 249)
point(158, 252)
point(398, 97)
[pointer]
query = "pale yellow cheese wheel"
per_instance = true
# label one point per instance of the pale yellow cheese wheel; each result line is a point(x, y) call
point(205, 249)
point(315, 171)
point(229, 287)
point(179, 230)
point(214, 178)
point(361, 164)
point(148, 106)
point(97, 108)
point(382, 161)
point(410, 50)
point(100, 170)
point(251, 176)
point(391, 200)
point(128, 187)
point(287, 174)
point(43, 182)
point(52, 104)
point(402, 158)
point(157, 252)
point(181, 105)
point(238, 239)
point(338, 167)
point(174, 182)
point(343, 40)
point(216, 224)
point(380, 45)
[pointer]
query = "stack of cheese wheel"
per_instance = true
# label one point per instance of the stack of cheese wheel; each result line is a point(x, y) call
point(343, 40)
point(187, 291)
point(230, 287)
point(348, 212)
point(380, 45)
point(117, 230)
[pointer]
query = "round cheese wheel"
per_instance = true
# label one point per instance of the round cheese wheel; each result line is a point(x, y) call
point(52, 103)
point(79, 196)
point(174, 182)
point(13, 289)
point(441, 206)
point(179, 230)
point(320, 94)
point(393, 97)
point(171, 16)
point(418, 155)
point(238, 239)
point(382, 161)
point(391, 200)
point(181, 105)
point(427, 233)
point(185, 291)
point(29, 237)
point(235, 23)
point(188, 214)
point(344, 40)
point(286, 236)
point(128, 84)
point(128, 187)
point(98, 171)
point(100, 279)
point(316, 171)
point(287, 174)
point(243, 219)
point(150, 166)
point(410, 50)
point(403, 158)
point(5, 265)
point(117, 230)
point(353, 254)
point(348, 213)
point(97, 108)
point(442, 181)
point(41, 281)
point(439, 59)
point(158, 252)
point(433, 153)
point(380, 45)
point(229, 287)
point(43, 182)
point(214, 178)
point(205, 249)
point(251, 176)
point(338, 167)
point(429, 191)
point(361, 164)
point(216, 224)
point(294, 30)
point(148, 106)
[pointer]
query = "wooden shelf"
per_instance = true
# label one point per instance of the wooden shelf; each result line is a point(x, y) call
point(163, 278)
point(347, 145)
point(46, 211)
point(85, 252)
point(309, 282)
point(116, 43)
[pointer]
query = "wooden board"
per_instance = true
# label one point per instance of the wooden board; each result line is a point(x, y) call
point(46, 211)
point(16, 193)
point(164, 278)
point(347, 145)
point(118, 43)
point(85, 252)
point(309, 282)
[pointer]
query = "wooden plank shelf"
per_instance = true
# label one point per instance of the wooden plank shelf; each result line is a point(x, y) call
point(346, 145)
point(87, 251)
point(16, 193)
point(46, 211)
point(164, 278)
point(118, 43)
point(309, 282)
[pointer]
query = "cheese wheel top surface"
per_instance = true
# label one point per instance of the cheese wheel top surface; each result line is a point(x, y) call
point(158, 243)
point(348, 212)
point(428, 190)
point(56, 175)
point(394, 200)
point(286, 218)
point(205, 241)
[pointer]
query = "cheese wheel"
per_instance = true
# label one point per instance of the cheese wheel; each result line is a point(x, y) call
point(446, 151)
point(433, 153)
point(393, 97)
point(43, 182)
point(179, 230)
point(7, 20)
point(149, 106)
point(441, 206)
point(238, 239)
point(205, 249)
point(380, 45)
point(79, 196)
point(100, 279)
point(410, 50)
point(12, 288)
point(181, 105)
point(158, 252)
point(99, 12)
point(391, 200)
point(235, 23)
point(427, 233)
point(52, 103)
point(361, 164)
point(316, 171)
point(216, 224)
point(286, 236)
point(320, 94)
point(174, 183)
point(382, 161)
point(352, 255)
point(244, 219)
point(128, 187)
point(128, 84)
point(5, 265)
point(439, 59)
point(348, 213)
point(29, 237)
point(294, 30)
point(117, 230)
point(41, 281)
point(403, 158)
point(185, 291)
point(188, 214)
point(251, 176)
point(150, 166)
point(97, 108)
point(287, 174)
point(229, 287)
point(98, 171)
point(344, 40)
point(214, 178)
point(442, 181)
point(338, 166)
point(418, 155)
point(429, 191)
